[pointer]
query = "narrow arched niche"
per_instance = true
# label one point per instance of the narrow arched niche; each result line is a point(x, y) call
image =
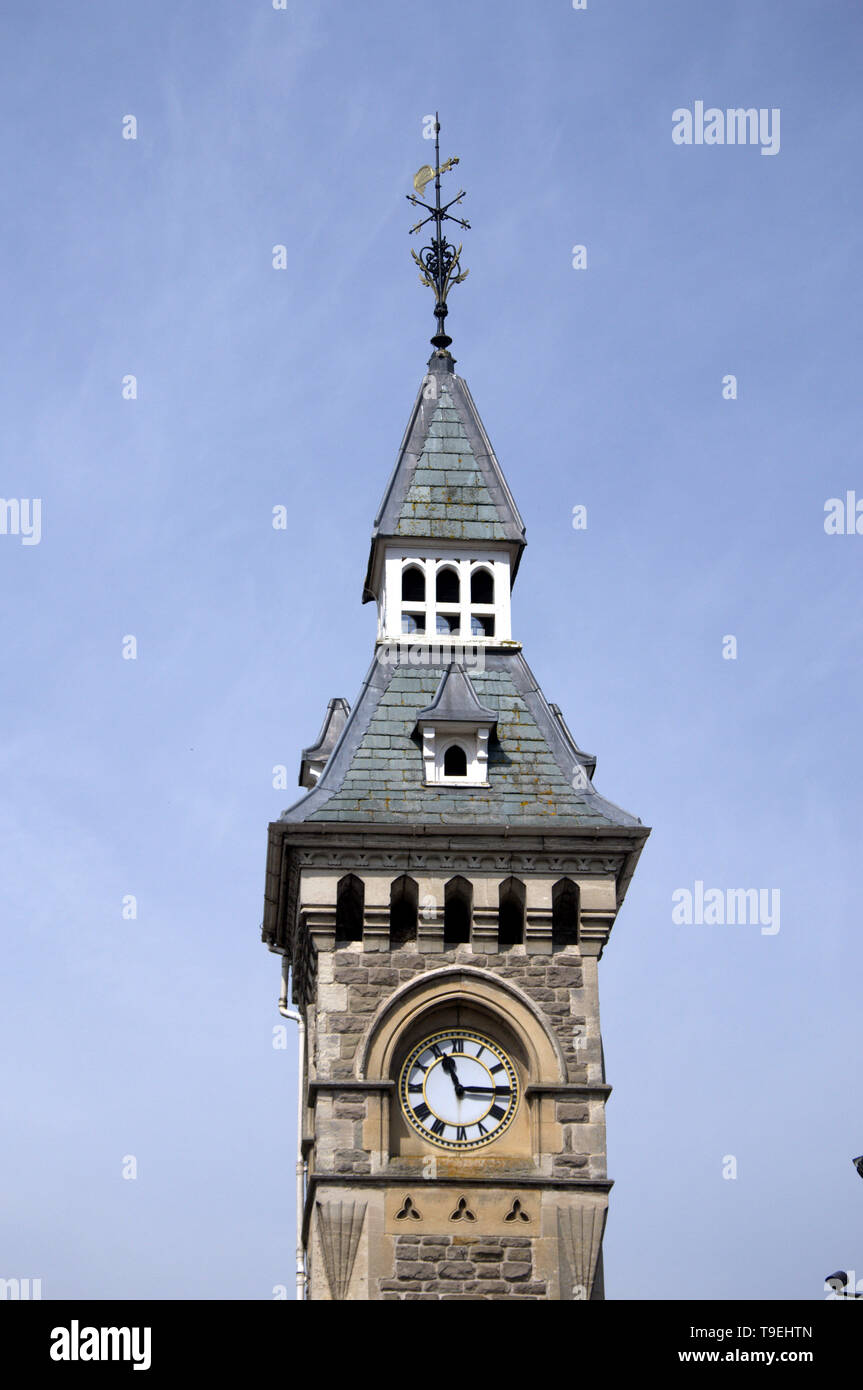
point(564, 914)
point(458, 907)
point(510, 919)
point(404, 899)
point(350, 901)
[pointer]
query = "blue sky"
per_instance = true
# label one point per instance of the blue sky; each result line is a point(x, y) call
point(257, 387)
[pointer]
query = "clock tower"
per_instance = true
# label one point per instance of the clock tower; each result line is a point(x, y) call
point(441, 895)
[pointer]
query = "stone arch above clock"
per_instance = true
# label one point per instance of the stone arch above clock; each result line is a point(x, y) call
point(492, 997)
point(484, 1005)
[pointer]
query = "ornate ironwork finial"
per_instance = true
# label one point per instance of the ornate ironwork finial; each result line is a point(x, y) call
point(439, 263)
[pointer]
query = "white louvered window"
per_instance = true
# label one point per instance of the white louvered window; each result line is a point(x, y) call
point(442, 594)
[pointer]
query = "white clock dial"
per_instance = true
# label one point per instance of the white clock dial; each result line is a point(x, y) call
point(458, 1089)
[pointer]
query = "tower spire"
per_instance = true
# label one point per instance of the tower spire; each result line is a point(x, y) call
point(439, 262)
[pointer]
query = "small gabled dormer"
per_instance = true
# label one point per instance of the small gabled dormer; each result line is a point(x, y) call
point(455, 731)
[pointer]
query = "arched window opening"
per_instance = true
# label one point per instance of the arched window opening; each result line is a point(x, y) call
point(510, 918)
point(455, 761)
point(447, 586)
point(458, 901)
point(564, 914)
point(481, 587)
point(404, 898)
point(350, 900)
point(413, 585)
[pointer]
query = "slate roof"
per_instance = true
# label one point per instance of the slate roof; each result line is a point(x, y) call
point(447, 483)
point(535, 773)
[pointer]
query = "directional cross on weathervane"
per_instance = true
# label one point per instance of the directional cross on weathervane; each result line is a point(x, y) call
point(439, 262)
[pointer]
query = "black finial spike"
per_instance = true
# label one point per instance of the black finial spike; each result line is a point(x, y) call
point(439, 262)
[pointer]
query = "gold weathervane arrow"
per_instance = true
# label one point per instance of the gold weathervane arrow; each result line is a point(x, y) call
point(425, 175)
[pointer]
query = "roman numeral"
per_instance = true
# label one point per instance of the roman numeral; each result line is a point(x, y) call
point(481, 1127)
point(496, 1112)
point(461, 1132)
point(438, 1127)
point(422, 1111)
point(415, 1086)
point(502, 1091)
point(436, 1052)
point(495, 1070)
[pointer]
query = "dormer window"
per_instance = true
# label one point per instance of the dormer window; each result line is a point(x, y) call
point(460, 761)
point(455, 730)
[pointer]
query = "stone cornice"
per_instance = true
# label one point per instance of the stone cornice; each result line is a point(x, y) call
point(564, 849)
point(357, 1086)
point(569, 1090)
point(299, 831)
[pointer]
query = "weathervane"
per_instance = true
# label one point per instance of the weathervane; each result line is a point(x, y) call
point(439, 263)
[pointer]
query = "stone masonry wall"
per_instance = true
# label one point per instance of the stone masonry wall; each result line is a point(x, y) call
point(353, 983)
point(458, 1267)
point(364, 979)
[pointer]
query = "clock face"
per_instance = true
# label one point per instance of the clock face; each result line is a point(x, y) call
point(458, 1089)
